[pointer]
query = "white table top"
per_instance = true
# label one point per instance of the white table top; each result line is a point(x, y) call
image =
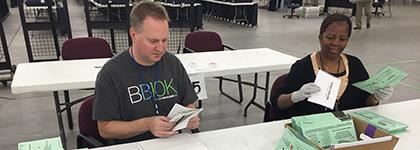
point(236, 61)
point(265, 136)
point(81, 74)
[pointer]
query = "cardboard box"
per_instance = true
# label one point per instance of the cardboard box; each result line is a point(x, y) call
point(360, 128)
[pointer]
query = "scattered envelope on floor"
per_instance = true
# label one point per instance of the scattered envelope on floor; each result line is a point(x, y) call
point(329, 90)
point(181, 115)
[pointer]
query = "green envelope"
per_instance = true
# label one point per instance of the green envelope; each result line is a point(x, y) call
point(44, 144)
point(388, 76)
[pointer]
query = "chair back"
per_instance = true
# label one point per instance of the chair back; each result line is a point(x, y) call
point(88, 126)
point(292, 3)
point(268, 114)
point(85, 48)
point(203, 41)
point(379, 3)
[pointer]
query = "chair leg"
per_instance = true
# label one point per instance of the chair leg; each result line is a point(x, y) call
point(79, 142)
point(195, 130)
point(200, 104)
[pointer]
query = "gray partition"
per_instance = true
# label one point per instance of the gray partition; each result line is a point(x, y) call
point(45, 27)
point(6, 68)
point(110, 20)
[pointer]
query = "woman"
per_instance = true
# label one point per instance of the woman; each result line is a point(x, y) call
point(291, 97)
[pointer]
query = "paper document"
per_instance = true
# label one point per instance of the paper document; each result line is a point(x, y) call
point(363, 142)
point(329, 89)
point(180, 115)
point(44, 144)
point(388, 76)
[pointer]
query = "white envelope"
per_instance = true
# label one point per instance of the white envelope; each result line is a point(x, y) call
point(329, 90)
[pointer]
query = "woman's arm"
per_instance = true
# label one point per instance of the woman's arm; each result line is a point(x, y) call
point(284, 101)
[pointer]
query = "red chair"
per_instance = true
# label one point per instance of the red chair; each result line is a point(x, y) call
point(205, 41)
point(82, 48)
point(89, 135)
point(86, 48)
point(268, 114)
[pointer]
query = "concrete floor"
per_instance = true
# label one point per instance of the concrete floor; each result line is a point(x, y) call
point(391, 41)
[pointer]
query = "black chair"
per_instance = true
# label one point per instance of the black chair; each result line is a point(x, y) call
point(378, 4)
point(269, 115)
point(292, 5)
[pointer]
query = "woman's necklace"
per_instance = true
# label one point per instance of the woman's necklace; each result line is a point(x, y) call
point(322, 64)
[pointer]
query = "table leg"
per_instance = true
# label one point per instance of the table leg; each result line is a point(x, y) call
point(252, 101)
point(239, 81)
point(68, 108)
point(59, 119)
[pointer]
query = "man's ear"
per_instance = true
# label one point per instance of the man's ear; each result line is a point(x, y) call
point(133, 33)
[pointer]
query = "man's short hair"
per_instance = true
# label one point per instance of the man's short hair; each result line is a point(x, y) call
point(146, 9)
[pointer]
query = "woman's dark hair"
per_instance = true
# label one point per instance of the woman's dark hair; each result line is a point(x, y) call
point(334, 18)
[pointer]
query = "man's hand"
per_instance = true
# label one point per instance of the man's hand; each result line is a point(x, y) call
point(160, 126)
point(194, 122)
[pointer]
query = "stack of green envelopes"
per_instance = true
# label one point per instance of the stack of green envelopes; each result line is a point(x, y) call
point(291, 140)
point(325, 129)
point(386, 124)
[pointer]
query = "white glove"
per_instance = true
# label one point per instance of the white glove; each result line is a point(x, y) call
point(384, 94)
point(305, 91)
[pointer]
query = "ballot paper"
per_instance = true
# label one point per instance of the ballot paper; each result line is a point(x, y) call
point(362, 142)
point(325, 129)
point(180, 115)
point(329, 89)
point(44, 144)
point(388, 76)
point(292, 140)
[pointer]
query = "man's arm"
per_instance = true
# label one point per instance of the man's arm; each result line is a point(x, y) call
point(158, 125)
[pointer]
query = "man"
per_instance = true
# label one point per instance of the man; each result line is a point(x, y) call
point(365, 5)
point(136, 89)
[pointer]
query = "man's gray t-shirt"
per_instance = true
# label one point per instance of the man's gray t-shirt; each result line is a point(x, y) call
point(128, 91)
